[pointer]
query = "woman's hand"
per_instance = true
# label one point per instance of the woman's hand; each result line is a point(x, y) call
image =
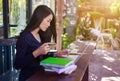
point(42, 50)
point(61, 53)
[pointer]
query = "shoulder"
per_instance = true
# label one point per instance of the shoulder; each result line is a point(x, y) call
point(25, 34)
point(24, 37)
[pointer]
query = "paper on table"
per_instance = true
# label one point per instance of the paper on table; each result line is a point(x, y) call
point(67, 70)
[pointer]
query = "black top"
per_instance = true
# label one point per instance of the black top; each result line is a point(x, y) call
point(24, 59)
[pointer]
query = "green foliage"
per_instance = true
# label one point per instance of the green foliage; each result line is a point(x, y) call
point(0, 5)
point(113, 26)
point(83, 28)
point(65, 22)
point(80, 3)
point(66, 40)
point(14, 10)
point(96, 15)
point(113, 32)
point(115, 8)
point(111, 23)
point(13, 31)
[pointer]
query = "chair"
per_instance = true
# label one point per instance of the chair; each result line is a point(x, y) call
point(104, 41)
point(7, 53)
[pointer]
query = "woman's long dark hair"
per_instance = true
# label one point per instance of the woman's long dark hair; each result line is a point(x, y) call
point(39, 14)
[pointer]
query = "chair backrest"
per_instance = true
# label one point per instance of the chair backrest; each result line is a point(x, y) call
point(104, 41)
point(7, 52)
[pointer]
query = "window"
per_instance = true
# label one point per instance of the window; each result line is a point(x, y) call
point(17, 17)
point(49, 3)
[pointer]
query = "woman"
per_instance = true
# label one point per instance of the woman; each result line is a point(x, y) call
point(32, 44)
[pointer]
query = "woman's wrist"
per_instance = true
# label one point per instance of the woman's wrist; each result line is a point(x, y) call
point(36, 53)
point(55, 54)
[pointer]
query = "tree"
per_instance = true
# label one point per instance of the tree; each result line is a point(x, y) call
point(115, 8)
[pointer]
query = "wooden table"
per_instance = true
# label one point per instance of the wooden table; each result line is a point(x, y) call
point(80, 74)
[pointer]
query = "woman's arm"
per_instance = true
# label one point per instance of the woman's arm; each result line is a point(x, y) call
point(41, 50)
point(22, 58)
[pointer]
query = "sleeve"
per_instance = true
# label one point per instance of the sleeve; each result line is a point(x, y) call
point(21, 58)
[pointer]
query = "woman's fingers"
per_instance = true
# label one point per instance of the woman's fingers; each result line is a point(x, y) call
point(47, 48)
point(44, 48)
point(62, 53)
point(65, 52)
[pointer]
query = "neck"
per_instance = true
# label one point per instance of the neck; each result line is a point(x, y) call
point(35, 31)
point(36, 35)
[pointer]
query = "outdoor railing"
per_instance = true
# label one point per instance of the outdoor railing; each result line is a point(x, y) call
point(7, 53)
